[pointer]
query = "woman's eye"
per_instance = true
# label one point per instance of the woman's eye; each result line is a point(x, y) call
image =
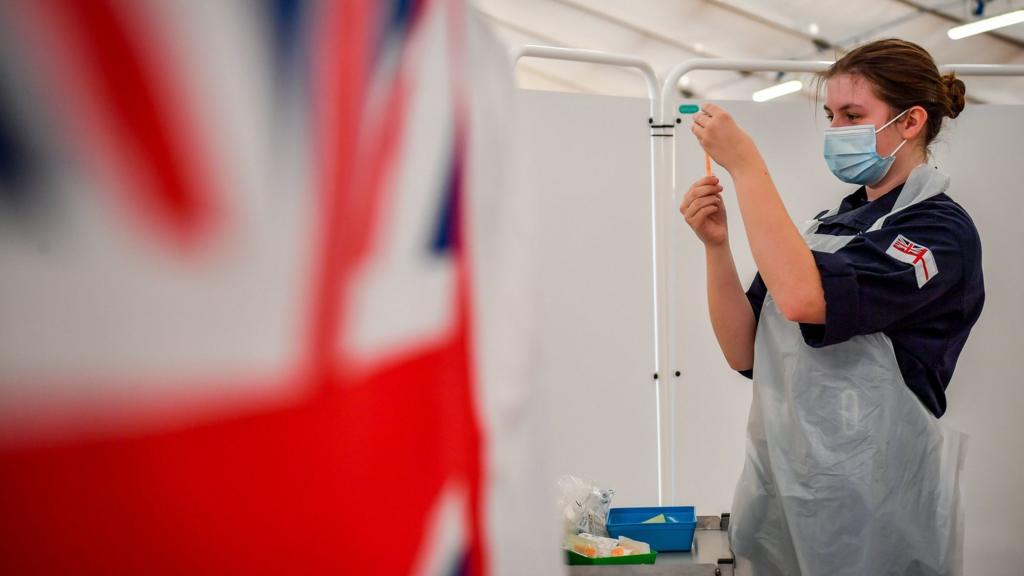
point(852, 117)
point(829, 116)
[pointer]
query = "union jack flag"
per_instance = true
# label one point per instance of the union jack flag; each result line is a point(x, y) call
point(240, 308)
point(918, 256)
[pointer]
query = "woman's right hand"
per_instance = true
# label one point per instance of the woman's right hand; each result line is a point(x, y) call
point(704, 210)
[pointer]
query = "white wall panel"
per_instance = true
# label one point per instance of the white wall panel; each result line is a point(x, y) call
point(589, 158)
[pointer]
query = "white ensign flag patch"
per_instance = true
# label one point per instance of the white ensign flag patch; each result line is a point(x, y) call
point(920, 257)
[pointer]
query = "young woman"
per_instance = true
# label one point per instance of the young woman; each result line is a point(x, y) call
point(851, 329)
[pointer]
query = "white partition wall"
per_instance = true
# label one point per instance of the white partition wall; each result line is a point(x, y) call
point(986, 397)
point(589, 158)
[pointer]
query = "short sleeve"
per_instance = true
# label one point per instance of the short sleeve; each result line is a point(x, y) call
point(756, 294)
point(890, 277)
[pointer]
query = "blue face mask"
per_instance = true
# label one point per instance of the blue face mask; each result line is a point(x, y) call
point(852, 156)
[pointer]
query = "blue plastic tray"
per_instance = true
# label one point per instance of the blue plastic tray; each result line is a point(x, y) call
point(676, 534)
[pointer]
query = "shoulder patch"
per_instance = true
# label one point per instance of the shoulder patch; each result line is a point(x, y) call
point(918, 256)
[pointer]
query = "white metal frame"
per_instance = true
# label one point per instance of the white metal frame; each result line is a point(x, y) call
point(594, 57)
point(983, 69)
point(663, 120)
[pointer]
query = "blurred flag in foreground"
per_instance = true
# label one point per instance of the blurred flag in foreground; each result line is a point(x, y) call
point(265, 292)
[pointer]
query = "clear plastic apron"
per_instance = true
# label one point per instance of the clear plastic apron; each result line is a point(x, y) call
point(846, 471)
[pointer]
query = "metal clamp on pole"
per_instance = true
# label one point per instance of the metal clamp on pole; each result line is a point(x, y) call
point(664, 130)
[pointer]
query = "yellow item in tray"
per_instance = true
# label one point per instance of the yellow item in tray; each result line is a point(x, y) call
point(659, 519)
point(587, 545)
point(589, 551)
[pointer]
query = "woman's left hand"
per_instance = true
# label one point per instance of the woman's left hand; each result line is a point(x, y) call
point(722, 138)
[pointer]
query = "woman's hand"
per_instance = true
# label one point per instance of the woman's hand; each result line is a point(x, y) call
point(704, 210)
point(727, 144)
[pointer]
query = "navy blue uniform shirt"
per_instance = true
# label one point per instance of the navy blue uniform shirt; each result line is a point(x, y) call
point(871, 285)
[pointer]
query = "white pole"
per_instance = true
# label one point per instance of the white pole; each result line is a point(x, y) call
point(983, 69)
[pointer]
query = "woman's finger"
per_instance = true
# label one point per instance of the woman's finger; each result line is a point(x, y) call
point(701, 203)
point(697, 220)
point(703, 182)
point(712, 110)
point(701, 191)
point(700, 132)
point(696, 194)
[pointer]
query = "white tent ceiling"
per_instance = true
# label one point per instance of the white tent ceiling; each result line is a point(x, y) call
point(666, 32)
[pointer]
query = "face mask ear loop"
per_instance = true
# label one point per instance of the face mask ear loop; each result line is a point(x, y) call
point(886, 125)
point(895, 118)
point(897, 149)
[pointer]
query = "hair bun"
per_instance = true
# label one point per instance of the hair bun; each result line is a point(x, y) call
point(956, 91)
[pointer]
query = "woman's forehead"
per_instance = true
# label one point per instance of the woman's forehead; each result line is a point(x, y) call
point(848, 90)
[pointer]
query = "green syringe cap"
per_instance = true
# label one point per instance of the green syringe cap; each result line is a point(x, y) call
point(688, 108)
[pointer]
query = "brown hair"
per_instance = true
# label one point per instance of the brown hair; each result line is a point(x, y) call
point(903, 74)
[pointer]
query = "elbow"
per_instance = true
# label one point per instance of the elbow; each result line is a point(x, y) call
point(742, 358)
point(740, 366)
point(803, 309)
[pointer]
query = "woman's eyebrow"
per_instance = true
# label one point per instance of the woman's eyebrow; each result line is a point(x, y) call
point(843, 107)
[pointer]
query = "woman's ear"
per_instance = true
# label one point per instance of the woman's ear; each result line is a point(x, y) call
point(912, 123)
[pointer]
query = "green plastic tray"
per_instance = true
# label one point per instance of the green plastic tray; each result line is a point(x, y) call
point(576, 559)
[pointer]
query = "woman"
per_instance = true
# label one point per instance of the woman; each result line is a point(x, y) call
point(851, 329)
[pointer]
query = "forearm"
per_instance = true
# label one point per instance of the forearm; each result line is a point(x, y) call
point(731, 316)
point(782, 257)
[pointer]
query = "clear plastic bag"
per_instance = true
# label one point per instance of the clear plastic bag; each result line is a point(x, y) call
point(584, 505)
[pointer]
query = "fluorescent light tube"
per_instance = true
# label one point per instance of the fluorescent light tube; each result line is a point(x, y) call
point(778, 90)
point(986, 25)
